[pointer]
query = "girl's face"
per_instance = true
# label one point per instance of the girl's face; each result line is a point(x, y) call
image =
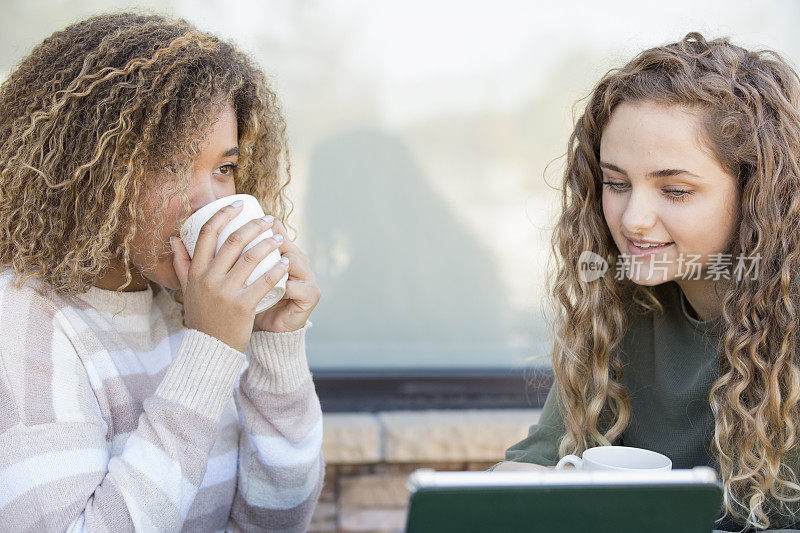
point(662, 185)
point(212, 178)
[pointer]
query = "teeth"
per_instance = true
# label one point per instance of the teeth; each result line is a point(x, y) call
point(649, 245)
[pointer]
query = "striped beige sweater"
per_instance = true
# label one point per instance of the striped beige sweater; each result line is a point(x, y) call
point(120, 421)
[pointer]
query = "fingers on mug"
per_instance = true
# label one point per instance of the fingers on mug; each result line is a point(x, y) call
point(251, 210)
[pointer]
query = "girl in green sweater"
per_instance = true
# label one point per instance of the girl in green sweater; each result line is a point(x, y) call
point(683, 176)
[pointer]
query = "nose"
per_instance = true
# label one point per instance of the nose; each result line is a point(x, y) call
point(640, 215)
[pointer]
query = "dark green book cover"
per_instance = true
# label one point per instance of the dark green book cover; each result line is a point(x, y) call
point(566, 509)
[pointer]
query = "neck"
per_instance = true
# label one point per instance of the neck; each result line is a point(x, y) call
point(704, 297)
point(114, 277)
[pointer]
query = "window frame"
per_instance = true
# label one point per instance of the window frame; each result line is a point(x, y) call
point(368, 390)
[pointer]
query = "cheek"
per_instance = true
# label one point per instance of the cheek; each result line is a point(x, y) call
point(733, 215)
point(706, 226)
point(723, 231)
point(155, 240)
point(612, 209)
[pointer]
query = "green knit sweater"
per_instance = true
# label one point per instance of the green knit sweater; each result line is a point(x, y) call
point(670, 365)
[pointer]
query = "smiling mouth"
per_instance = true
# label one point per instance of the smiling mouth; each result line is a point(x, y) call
point(639, 250)
point(650, 245)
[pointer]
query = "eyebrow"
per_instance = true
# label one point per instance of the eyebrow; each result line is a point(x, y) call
point(663, 173)
point(232, 151)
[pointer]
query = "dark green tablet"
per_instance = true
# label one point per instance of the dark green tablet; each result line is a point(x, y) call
point(564, 501)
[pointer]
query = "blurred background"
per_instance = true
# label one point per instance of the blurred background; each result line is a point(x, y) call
point(428, 142)
point(421, 133)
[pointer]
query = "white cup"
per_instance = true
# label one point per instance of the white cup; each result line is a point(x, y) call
point(250, 210)
point(620, 458)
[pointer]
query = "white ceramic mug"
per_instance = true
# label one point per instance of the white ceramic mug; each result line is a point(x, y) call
point(250, 210)
point(621, 458)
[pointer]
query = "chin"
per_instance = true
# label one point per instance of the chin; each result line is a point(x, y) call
point(171, 281)
point(650, 282)
point(170, 284)
point(168, 280)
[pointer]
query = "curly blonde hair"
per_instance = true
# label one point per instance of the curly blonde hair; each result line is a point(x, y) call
point(101, 111)
point(748, 101)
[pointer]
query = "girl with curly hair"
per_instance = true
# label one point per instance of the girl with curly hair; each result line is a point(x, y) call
point(683, 175)
point(138, 388)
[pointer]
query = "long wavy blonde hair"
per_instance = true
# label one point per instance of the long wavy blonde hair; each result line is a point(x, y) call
point(105, 109)
point(749, 104)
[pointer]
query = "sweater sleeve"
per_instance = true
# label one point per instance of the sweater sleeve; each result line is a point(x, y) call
point(281, 468)
point(541, 444)
point(56, 472)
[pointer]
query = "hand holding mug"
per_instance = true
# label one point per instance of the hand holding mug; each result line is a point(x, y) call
point(216, 298)
point(302, 293)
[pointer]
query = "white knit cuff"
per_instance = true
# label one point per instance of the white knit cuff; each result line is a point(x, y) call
point(278, 360)
point(203, 374)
